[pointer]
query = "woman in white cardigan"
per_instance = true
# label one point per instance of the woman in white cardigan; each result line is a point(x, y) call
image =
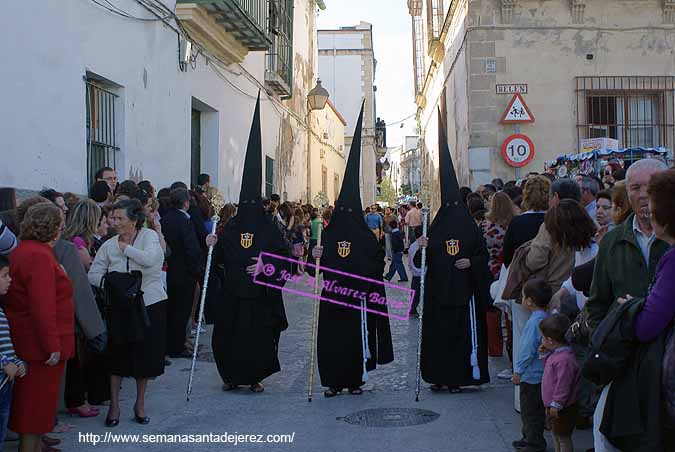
point(134, 248)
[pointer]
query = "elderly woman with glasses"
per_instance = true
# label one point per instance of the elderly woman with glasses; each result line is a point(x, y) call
point(140, 356)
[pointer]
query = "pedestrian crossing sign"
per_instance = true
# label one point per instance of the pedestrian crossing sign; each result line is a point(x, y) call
point(517, 111)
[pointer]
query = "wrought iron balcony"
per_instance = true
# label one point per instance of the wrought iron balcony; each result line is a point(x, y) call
point(246, 20)
point(279, 58)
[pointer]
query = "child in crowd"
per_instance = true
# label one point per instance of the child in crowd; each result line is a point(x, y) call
point(528, 369)
point(397, 247)
point(10, 366)
point(560, 384)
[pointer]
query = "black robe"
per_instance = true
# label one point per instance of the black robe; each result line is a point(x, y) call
point(249, 317)
point(339, 346)
point(446, 330)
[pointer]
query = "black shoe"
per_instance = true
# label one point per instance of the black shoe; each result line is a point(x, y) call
point(141, 420)
point(402, 280)
point(183, 354)
point(332, 392)
point(112, 422)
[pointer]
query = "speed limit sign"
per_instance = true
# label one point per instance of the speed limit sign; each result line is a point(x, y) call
point(518, 150)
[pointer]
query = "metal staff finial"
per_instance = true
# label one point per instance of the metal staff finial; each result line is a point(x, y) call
point(217, 202)
point(418, 377)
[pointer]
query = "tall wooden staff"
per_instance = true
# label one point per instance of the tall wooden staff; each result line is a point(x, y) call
point(315, 310)
point(217, 203)
point(418, 378)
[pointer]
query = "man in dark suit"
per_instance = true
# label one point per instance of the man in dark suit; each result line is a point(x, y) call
point(185, 266)
point(196, 217)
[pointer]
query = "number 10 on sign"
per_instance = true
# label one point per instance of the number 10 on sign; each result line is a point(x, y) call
point(517, 150)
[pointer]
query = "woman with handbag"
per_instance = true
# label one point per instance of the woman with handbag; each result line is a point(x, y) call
point(136, 333)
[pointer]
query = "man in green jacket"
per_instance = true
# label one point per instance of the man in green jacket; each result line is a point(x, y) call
point(628, 254)
point(625, 265)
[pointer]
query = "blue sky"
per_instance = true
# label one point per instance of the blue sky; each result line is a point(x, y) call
point(393, 52)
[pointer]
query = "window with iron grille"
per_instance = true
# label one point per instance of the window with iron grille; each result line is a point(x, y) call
point(269, 177)
point(418, 54)
point(434, 19)
point(279, 58)
point(637, 111)
point(101, 128)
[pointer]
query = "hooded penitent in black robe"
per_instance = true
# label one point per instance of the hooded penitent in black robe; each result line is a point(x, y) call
point(349, 246)
point(446, 331)
point(249, 317)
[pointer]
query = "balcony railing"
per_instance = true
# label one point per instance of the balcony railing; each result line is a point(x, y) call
point(246, 20)
point(435, 19)
point(279, 58)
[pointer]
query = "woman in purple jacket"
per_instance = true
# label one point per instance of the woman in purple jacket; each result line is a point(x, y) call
point(658, 312)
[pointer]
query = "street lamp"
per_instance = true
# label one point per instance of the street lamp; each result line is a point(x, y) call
point(316, 100)
point(386, 165)
point(317, 97)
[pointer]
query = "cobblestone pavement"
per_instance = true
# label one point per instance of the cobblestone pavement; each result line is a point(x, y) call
point(475, 420)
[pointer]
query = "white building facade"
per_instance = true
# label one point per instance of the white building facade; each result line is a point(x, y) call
point(585, 70)
point(120, 87)
point(411, 165)
point(347, 70)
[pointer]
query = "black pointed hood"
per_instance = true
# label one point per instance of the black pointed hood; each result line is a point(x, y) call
point(348, 204)
point(252, 230)
point(350, 193)
point(453, 235)
point(449, 185)
point(347, 222)
point(251, 181)
point(452, 208)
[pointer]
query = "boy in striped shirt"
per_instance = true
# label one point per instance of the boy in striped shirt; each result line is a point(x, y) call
point(10, 366)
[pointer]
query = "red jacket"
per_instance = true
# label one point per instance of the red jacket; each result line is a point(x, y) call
point(39, 304)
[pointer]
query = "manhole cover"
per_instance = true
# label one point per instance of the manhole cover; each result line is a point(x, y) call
point(391, 417)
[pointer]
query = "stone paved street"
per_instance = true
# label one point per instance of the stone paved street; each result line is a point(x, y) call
point(475, 420)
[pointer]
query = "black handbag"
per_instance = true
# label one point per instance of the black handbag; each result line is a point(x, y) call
point(127, 316)
point(612, 347)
